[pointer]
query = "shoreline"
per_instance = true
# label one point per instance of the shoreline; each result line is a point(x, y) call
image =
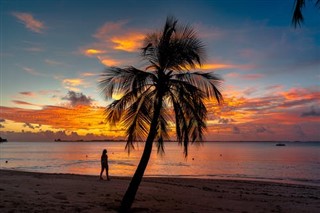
point(172, 141)
point(46, 192)
point(303, 182)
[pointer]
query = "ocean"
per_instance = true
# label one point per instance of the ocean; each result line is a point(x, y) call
point(297, 162)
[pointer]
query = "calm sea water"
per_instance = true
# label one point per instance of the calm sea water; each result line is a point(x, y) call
point(295, 162)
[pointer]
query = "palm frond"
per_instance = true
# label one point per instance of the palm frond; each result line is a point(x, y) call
point(189, 50)
point(297, 17)
point(117, 108)
point(117, 80)
point(138, 117)
point(209, 83)
point(162, 130)
point(190, 112)
point(181, 122)
point(150, 49)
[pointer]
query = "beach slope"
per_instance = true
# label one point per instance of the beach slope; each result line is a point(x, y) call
point(38, 192)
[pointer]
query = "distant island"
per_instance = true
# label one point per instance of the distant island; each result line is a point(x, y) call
point(207, 141)
point(81, 140)
point(101, 140)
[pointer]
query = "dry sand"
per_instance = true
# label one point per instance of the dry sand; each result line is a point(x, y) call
point(37, 192)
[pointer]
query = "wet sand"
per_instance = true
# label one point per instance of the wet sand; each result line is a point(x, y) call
point(39, 192)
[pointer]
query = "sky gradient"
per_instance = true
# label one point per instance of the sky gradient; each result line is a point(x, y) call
point(52, 53)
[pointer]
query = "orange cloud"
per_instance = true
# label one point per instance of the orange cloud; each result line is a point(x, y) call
point(274, 116)
point(80, 119)
point(29, 21)
point(302, 93)
point(282, 108)
point(92, 52)
point(109, 62)
point(130, 42)
point(113, 37)
point(88, 74)
point(221, 66)
point(73, 81)
point(216, 66)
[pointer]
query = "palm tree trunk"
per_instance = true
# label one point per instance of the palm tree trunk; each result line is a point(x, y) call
point(130, 194)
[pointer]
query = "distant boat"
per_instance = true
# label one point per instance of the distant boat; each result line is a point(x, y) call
point(280, 144)
point(3, 139)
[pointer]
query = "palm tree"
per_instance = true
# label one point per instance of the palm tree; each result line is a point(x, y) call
point(148, 95)
point(297, 17)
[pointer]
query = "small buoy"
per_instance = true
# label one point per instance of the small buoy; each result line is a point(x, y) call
point(220, 155)
point(192, 158)
point(6, 161)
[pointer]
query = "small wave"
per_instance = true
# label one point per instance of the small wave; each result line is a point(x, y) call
point(124, 163)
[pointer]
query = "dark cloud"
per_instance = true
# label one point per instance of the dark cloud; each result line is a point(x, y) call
point(77, 99)
point(27, 93)
point(311, 113)
point(298, 102)
point(2, 120)
point(225, 120)
point(22, 102)
point(1, 126)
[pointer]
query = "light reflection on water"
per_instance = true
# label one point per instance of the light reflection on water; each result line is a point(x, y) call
point(294, 162)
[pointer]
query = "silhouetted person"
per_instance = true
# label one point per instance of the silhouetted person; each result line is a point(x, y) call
point(104, 164)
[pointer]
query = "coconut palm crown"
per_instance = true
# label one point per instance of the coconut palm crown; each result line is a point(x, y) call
point(166, 90)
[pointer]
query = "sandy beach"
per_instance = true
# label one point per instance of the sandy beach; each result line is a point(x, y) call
point(38, 192)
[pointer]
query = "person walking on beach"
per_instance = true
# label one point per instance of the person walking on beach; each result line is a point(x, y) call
point(104, 164)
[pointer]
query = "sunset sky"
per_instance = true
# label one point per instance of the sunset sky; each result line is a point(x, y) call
point(53, 51)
